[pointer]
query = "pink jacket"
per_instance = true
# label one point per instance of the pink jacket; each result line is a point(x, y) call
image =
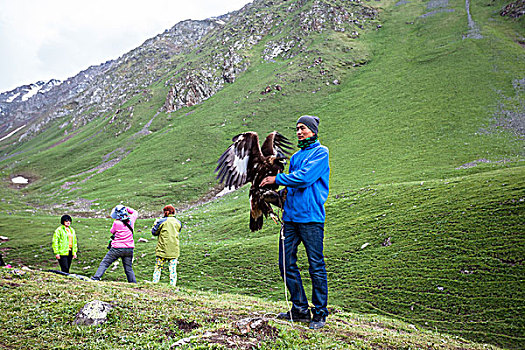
point(123, 236)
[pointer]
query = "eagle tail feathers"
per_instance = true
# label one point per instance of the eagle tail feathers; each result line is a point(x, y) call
point(256, 223)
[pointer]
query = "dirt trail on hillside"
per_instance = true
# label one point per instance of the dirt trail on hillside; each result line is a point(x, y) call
point(473, 32)
point(438, 6)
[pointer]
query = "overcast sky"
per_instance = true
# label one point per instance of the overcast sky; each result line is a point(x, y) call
point(45, 39)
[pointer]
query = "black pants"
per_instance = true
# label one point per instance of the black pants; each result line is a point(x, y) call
point(65, 261)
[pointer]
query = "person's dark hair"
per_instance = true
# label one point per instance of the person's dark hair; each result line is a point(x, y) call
point(65, 218)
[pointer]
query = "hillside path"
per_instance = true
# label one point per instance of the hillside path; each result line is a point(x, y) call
point(473, 32)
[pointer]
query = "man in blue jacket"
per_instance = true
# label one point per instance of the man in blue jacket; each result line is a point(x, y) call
point(304, 217)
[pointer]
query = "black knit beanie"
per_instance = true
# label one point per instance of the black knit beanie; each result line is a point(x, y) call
point(312, 122)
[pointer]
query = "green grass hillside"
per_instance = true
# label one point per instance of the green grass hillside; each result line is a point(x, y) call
point(427, 199)
point(39, 309)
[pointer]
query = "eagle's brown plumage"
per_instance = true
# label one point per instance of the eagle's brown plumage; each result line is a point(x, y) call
point(245, 161)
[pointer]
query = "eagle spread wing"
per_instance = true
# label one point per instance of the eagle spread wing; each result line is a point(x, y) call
point(238, 159)
point(276, 145)
point(245, 161)
point(239, 164)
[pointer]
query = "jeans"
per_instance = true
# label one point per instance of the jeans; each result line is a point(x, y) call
point(126, 254)
point(311, 235)
point(65, 262)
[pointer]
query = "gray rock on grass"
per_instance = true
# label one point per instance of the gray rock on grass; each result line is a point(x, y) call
point(93, 313)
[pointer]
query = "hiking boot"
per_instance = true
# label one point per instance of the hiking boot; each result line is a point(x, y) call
point(318, 320)
point(295, 316)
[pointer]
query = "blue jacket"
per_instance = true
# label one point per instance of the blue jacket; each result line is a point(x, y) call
point(307, 184)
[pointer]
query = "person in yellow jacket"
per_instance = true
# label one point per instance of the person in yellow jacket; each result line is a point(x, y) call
point(65, 243)
point(167, 229)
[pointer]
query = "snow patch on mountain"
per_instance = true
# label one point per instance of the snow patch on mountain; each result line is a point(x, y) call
point(34, 89)
point(11, 98)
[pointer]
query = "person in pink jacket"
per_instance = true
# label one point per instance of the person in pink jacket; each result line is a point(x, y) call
point(122, 243)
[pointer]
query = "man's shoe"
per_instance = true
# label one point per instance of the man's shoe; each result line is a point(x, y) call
point(318, 321)
point(295, 316)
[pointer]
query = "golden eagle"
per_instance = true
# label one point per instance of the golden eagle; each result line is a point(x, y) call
point(245, 161)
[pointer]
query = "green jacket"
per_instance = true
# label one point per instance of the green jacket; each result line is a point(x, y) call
point(168, 229)
point(61, 241)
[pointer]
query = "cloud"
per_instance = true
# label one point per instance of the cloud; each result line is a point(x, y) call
point(41, 40)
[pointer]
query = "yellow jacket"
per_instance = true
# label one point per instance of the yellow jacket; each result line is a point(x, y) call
point(61, 241)
point(168, 229)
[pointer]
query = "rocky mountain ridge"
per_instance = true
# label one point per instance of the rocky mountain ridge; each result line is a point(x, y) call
point(13, 100)
point(289, 37)
point(219, 48)
point(100, 88)
point(24, 92)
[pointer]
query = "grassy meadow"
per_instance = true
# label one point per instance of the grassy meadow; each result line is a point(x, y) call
point(146, 316)
point(424, 219)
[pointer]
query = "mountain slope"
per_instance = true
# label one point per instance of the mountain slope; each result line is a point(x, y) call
point(419, 109)
point(122, 134)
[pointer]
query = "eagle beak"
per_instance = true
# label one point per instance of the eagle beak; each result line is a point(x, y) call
point(281, 160)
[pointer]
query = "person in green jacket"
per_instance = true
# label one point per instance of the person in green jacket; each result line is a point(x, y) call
point(167, 229)
point(65, 243)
